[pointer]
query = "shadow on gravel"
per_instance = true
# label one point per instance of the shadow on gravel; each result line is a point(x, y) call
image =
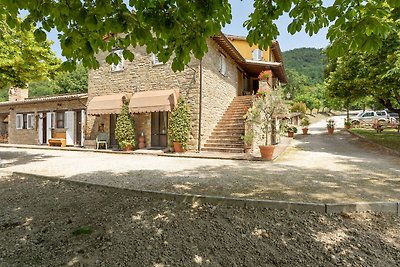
point(47, 223)
point(12, 158)
point(251, 181)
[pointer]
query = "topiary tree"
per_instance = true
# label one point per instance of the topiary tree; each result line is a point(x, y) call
point(125, 128)
point(180, 123)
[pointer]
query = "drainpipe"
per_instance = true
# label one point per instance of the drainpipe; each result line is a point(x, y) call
point(200, 104)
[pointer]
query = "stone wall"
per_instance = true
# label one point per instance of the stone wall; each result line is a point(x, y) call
point(31, 136)
point(141, 75)
point(218, 90)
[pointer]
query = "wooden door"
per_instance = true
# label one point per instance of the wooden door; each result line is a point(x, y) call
point(159, 129)
point(78, 128)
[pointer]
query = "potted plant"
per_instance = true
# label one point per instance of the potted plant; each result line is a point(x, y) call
point(291, 130)
point(263, 114)
point(180, 125)
point(304, 123)
point(125, 129)
point(347, 124)
point(330, 125)
point(248, 141)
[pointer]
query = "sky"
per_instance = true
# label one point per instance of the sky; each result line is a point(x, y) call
point(240, 12)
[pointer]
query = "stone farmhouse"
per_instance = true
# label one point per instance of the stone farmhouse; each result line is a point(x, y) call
point(218, 89)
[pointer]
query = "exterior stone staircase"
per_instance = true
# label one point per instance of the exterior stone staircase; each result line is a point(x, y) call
point(226, 136)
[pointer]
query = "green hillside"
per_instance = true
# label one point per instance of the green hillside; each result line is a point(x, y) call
point(306, 61)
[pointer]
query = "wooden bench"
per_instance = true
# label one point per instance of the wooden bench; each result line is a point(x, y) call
point(58, 139)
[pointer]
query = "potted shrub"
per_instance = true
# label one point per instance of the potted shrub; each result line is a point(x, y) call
point(291, 130)
point(263, 113)
point(125, 129)
point(180, 125)
point(347, 124)
point(304, 123)
point(330, 125)
point(248, 141)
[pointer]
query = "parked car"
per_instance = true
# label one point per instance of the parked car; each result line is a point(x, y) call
point(370, 116)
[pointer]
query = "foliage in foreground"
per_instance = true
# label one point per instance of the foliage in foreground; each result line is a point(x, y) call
point(180, 28)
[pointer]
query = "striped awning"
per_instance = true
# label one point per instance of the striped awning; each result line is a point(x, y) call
point(107, 104)
point(153, 101)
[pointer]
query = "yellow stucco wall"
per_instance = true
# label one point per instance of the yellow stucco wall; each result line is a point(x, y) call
point(246, 50)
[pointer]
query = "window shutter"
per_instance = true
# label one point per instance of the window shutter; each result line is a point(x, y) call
point(29, 121)
point(120, 65)
point(19, 121)
point(40, 129)
point(49, 122)
point(69, 124)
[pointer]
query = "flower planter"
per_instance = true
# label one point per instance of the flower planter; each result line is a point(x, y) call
point(267, 152)
point(178, 147)
point(290, 134)
point(305, 131)
point(347, 126)
point(330, 130)
point(127, 148)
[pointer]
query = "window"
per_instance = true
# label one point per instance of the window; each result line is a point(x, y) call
point(257, 54)
point(24, 121)
point(59, 119)
point(20, 121)
point(155, 60)
point(222, 64)
point(29, 121)
point(120, 65)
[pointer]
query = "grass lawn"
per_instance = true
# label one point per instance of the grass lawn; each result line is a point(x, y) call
point(389, 137)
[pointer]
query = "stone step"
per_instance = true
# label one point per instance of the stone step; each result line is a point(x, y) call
point(223, 145)
point(227, 134)
point(224, 150)
point(225, 141)
point(229, 129)
point(227, 138)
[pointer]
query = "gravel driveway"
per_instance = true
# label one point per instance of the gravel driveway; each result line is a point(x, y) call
point(317, 168)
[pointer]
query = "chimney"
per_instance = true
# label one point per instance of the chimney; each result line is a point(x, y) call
point(17, 94)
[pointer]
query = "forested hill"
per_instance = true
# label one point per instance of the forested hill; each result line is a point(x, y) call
point(306, 61)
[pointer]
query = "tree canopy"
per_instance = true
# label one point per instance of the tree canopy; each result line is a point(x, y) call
point(22, 58)
point(179, 28)
point(359, 75)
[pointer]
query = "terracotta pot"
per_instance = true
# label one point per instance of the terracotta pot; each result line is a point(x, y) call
point(267, 152)
point(127, 148)
point(142, 143)
point(305, 131)
point(247, 149)
point(347, 126)
point(178, 147)
point(290, 134)
point(330, 130)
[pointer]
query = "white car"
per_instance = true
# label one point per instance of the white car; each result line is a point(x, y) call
point(370, 116)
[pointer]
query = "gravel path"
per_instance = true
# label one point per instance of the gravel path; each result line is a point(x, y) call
point(317, 168)
point(47, 223)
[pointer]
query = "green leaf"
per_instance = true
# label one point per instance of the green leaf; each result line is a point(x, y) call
point(40, 35)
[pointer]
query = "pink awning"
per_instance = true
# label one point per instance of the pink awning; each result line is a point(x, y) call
point(153, 101)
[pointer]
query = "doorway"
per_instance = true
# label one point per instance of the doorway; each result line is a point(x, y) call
point(44, 129)
point(78, 128)
point(159, 129)
point(113, 123)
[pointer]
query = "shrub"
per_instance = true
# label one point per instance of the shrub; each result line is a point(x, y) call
point(305, 122)
point(180, 123)
point(299, 107)
point(125, 128)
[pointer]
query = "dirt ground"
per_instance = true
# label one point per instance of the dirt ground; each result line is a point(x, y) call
point(48, 223)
